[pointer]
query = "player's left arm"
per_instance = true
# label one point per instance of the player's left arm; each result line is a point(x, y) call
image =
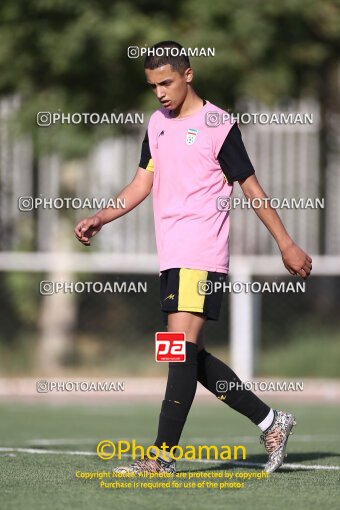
point(294, 258)
point(236, 165)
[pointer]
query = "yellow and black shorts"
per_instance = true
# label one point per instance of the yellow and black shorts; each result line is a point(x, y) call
point(191, 290)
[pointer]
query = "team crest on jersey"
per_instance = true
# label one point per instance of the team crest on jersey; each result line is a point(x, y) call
point(191, 136)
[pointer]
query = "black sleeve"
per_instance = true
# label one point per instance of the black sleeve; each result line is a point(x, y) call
point(145, 152)
point(233, 157)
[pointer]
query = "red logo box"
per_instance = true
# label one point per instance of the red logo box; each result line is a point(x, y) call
point(170, 347)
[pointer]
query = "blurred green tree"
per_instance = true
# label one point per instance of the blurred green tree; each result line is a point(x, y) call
point(72, 56)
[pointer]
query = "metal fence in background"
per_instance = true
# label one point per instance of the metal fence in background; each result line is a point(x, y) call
point(286, 159)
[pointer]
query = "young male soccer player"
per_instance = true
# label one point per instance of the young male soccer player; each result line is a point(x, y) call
point(189, 165)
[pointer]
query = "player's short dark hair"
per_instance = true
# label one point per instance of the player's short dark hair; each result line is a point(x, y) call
point(179, 62)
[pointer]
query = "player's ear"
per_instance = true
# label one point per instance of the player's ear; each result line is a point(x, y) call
point(188, 75)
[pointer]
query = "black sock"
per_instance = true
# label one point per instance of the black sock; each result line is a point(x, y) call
point(211, 370)
point(179, 395)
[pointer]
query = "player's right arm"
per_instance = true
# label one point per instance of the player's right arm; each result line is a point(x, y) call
point(132, 195)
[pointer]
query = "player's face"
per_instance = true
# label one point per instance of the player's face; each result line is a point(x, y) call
point(169, 86)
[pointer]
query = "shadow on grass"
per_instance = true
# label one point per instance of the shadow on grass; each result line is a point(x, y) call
point(256, 462)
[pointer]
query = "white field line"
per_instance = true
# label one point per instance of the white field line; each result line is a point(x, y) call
point(307, 467)
point(296, 438)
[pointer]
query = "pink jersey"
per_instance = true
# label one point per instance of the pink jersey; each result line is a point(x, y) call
point(191, 232)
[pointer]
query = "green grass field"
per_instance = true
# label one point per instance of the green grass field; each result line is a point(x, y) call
point(41, 481)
